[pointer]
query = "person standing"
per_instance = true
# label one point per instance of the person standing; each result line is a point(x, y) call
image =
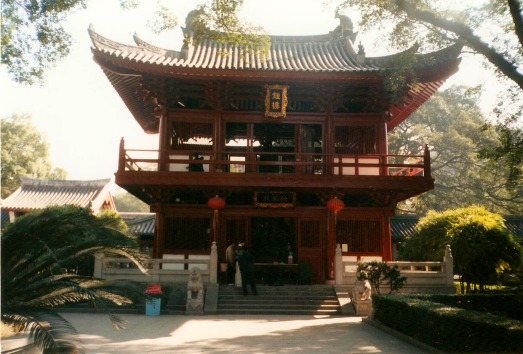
point(238, 250)
point(196, 167)
point(246, 264)
point(230, 258)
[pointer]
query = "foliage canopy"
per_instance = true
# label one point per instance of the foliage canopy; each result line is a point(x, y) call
point(34, 38)
point(452, 124)
point(39, 251)
point(24, 153)
point(480, 243)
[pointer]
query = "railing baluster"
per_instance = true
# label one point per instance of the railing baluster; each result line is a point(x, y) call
point(291, 163)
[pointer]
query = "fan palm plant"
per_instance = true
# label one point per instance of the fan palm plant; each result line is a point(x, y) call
point(38, 251)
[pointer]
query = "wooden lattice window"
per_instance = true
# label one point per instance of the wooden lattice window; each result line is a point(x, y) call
point(310, 234)
point(188, 234)
point(355, 140)
point(191, 135)
point(361, 236)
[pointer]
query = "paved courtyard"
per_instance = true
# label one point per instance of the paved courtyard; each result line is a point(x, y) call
point(234, 334)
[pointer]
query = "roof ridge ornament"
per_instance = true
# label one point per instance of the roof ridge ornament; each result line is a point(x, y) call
point(346, 27)
point(360, 57)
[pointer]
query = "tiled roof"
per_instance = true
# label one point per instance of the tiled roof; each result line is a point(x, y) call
point(36, 194)
point(514, 225)
point(402, 226)
point(328, 53)
point(139, 223)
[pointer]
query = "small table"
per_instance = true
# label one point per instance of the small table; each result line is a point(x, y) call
point(277, 273)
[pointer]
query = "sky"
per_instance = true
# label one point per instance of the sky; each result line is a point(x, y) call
point(82, 116)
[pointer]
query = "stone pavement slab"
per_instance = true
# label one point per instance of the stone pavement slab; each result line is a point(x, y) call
point(234, 334)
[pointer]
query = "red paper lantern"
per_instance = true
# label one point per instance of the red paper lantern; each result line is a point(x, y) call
point(335, 204)
point(216, 203)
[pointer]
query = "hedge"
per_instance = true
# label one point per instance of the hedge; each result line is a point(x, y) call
point(447, 328)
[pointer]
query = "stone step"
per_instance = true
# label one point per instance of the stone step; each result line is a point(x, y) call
point(279, 300)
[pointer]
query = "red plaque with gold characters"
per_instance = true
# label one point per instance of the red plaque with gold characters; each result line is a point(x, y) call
point(276, 101)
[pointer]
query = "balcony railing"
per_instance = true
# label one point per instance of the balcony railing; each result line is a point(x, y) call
point(276, 162)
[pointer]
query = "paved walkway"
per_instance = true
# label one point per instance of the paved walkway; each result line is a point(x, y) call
point(234, 334)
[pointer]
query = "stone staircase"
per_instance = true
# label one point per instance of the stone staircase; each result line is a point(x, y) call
point(280, 300)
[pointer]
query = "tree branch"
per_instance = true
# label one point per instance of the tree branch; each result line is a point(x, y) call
point(517, 16)
point(466, 34)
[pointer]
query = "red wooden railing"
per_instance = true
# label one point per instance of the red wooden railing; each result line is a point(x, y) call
point(276, 162)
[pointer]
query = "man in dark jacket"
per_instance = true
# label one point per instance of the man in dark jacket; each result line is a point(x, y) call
point(246, 264)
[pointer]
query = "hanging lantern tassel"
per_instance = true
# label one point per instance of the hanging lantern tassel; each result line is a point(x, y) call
point(216, 203)
point(335, 205)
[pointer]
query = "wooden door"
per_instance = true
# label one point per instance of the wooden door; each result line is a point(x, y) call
point(311, 248)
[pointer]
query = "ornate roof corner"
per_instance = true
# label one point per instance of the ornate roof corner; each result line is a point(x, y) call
point(154, 49)
point(104, 44)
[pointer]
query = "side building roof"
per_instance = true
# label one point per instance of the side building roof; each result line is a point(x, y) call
point(35, 194)
point(139, 223)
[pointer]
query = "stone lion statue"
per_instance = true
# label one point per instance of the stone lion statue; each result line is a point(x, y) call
point(195, 291)
point(362, 290)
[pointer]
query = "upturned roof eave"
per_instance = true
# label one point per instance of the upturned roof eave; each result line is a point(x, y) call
point(327, 56)
point(126, 68)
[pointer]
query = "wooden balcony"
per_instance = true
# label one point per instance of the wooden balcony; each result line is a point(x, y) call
point(145, 173)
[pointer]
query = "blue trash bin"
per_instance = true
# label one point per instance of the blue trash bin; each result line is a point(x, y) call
point(154, 300)
point(152, 306)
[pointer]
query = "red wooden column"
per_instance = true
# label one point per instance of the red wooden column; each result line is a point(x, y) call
point(386, 239)
point(159, 233)
point(331, 245)
point(162, 142)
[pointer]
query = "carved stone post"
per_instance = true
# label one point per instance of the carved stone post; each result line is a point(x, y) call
point(121, 156)
point(426, 162)
point(213, 266)
point(449, 265)
point(98, 264)
point(338, 266)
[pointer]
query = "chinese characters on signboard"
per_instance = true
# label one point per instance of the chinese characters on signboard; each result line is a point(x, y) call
point(276, 101)
point(275, 199)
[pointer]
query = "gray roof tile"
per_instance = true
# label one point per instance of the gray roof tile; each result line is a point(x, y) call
point(36, 194)
point(321, 53)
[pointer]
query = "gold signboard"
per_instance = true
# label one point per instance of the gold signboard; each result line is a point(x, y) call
point(276, 101)
point(275, 199)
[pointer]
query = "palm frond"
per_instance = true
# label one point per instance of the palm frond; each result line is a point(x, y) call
point(38, 248)
point(50, 331)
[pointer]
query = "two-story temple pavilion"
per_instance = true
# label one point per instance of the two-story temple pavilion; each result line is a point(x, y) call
point(287, 152)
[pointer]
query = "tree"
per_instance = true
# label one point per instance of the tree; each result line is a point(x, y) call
point(435, 24)
point(481, 245)
point(34, 38)
point(126, 202)
point(24, 153)
point(37, 250)
point(378, 272)
point(509, 152)
point(451, 122)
